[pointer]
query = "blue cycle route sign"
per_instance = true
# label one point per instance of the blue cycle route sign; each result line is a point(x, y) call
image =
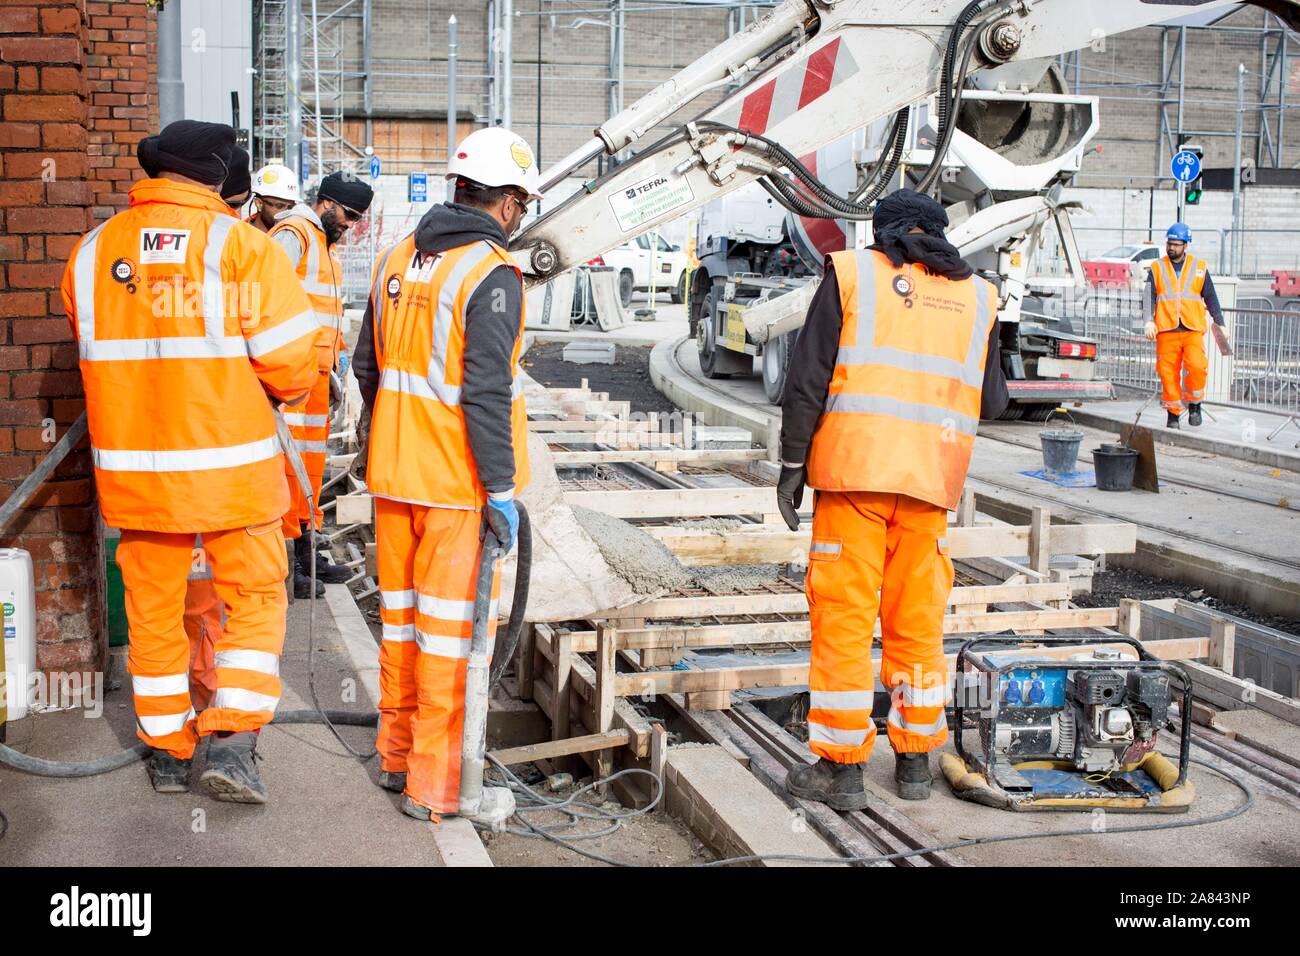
point(1185, 166)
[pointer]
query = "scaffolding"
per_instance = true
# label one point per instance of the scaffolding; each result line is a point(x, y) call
point(302, 85)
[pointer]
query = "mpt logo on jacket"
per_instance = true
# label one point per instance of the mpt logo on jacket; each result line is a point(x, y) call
point(163, 245)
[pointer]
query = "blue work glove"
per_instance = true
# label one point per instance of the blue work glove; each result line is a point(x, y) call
point(343, 365)
point(503, 519)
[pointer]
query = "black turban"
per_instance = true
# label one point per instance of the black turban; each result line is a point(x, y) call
point(904, 210)
point(200, 151)
point(346, 190)
point(239, 180)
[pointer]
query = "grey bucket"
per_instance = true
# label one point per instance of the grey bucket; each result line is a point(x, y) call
point(1060, 448)
point(1114, 465)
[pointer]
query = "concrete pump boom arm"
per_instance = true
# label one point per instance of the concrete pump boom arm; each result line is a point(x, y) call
point(810, 72)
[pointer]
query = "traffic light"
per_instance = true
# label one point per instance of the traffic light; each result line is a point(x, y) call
point(1196, 188)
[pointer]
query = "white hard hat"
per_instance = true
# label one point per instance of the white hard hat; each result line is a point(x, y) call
point(277, 182)
point(496, 157)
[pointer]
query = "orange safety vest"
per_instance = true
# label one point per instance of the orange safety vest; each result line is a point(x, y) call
point(419, 446)
point(1178, 295)
point(322, 279)
point(185, 318)
point(904, 401)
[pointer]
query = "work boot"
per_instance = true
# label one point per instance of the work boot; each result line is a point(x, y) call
point(838, 785)
point(302, 585)
point(912, 774)
point(394, 780)
point(1171, 420)
point(413, 809)
point(169, 774)
point(1194, 414)
point(326, 572)
point(232, 774)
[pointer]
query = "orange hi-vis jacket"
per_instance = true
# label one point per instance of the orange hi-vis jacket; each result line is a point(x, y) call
point(904, 400)
point(322, 278)
point(419, 446)
point(186, 319)
point(1178, 295)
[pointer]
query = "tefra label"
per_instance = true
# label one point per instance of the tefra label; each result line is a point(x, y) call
point(639, 203)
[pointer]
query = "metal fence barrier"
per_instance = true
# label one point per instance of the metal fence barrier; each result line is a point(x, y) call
point(1263, 372)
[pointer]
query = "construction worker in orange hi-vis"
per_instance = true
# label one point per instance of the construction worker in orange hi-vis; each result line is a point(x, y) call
point(188, 325)
point(892, 371)
point(437, 361)
point(275, 191)
point(1179, 292)
point(308, 233)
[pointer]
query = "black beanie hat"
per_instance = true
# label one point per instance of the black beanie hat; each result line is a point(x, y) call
point(240, 179)
point(200, 151)
point(346, 190)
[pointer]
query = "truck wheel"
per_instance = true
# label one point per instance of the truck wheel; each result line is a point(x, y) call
point(679, 290)
point(706, 339)
point(625, 287)
point(1013, 412)
point(776, 365)
point(1039, 411)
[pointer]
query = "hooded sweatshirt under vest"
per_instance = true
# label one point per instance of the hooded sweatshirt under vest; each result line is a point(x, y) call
point(489, 342)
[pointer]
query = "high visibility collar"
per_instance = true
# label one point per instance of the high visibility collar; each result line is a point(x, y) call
point(175, 194)
point(302, 211)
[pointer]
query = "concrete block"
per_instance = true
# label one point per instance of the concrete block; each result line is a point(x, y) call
point(589, 353)
point(732, 812)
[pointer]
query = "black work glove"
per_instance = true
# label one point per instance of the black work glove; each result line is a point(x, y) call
point(789, 493)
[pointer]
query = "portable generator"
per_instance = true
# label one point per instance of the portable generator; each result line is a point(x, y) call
point(1074, 733)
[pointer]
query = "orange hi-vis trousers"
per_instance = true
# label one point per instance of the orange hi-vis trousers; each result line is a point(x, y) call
point(309, 424)
point(248, 571)
point(428, 569)
point(876, 554)
point(1181, 362)
point(205, 619)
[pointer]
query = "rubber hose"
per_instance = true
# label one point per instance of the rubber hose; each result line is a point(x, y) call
point(79, 768)
point(39, 767)
point(519, 603)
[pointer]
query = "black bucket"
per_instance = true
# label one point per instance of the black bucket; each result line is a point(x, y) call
point(1114, 465)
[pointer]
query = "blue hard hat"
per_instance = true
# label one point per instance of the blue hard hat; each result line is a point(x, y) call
point(1180, 232)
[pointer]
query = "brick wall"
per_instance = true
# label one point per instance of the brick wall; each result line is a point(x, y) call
point(76, 91)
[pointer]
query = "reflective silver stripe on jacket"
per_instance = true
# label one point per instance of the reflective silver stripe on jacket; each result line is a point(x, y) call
point(444, 316)
point(189, 459)
point(214, 344)
point(83, 283)
point(969, 371)
point(379, 301)
point(304, 323)
point(894, 408)
point(822, 734)
point(841, 699)
point(410, 383)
